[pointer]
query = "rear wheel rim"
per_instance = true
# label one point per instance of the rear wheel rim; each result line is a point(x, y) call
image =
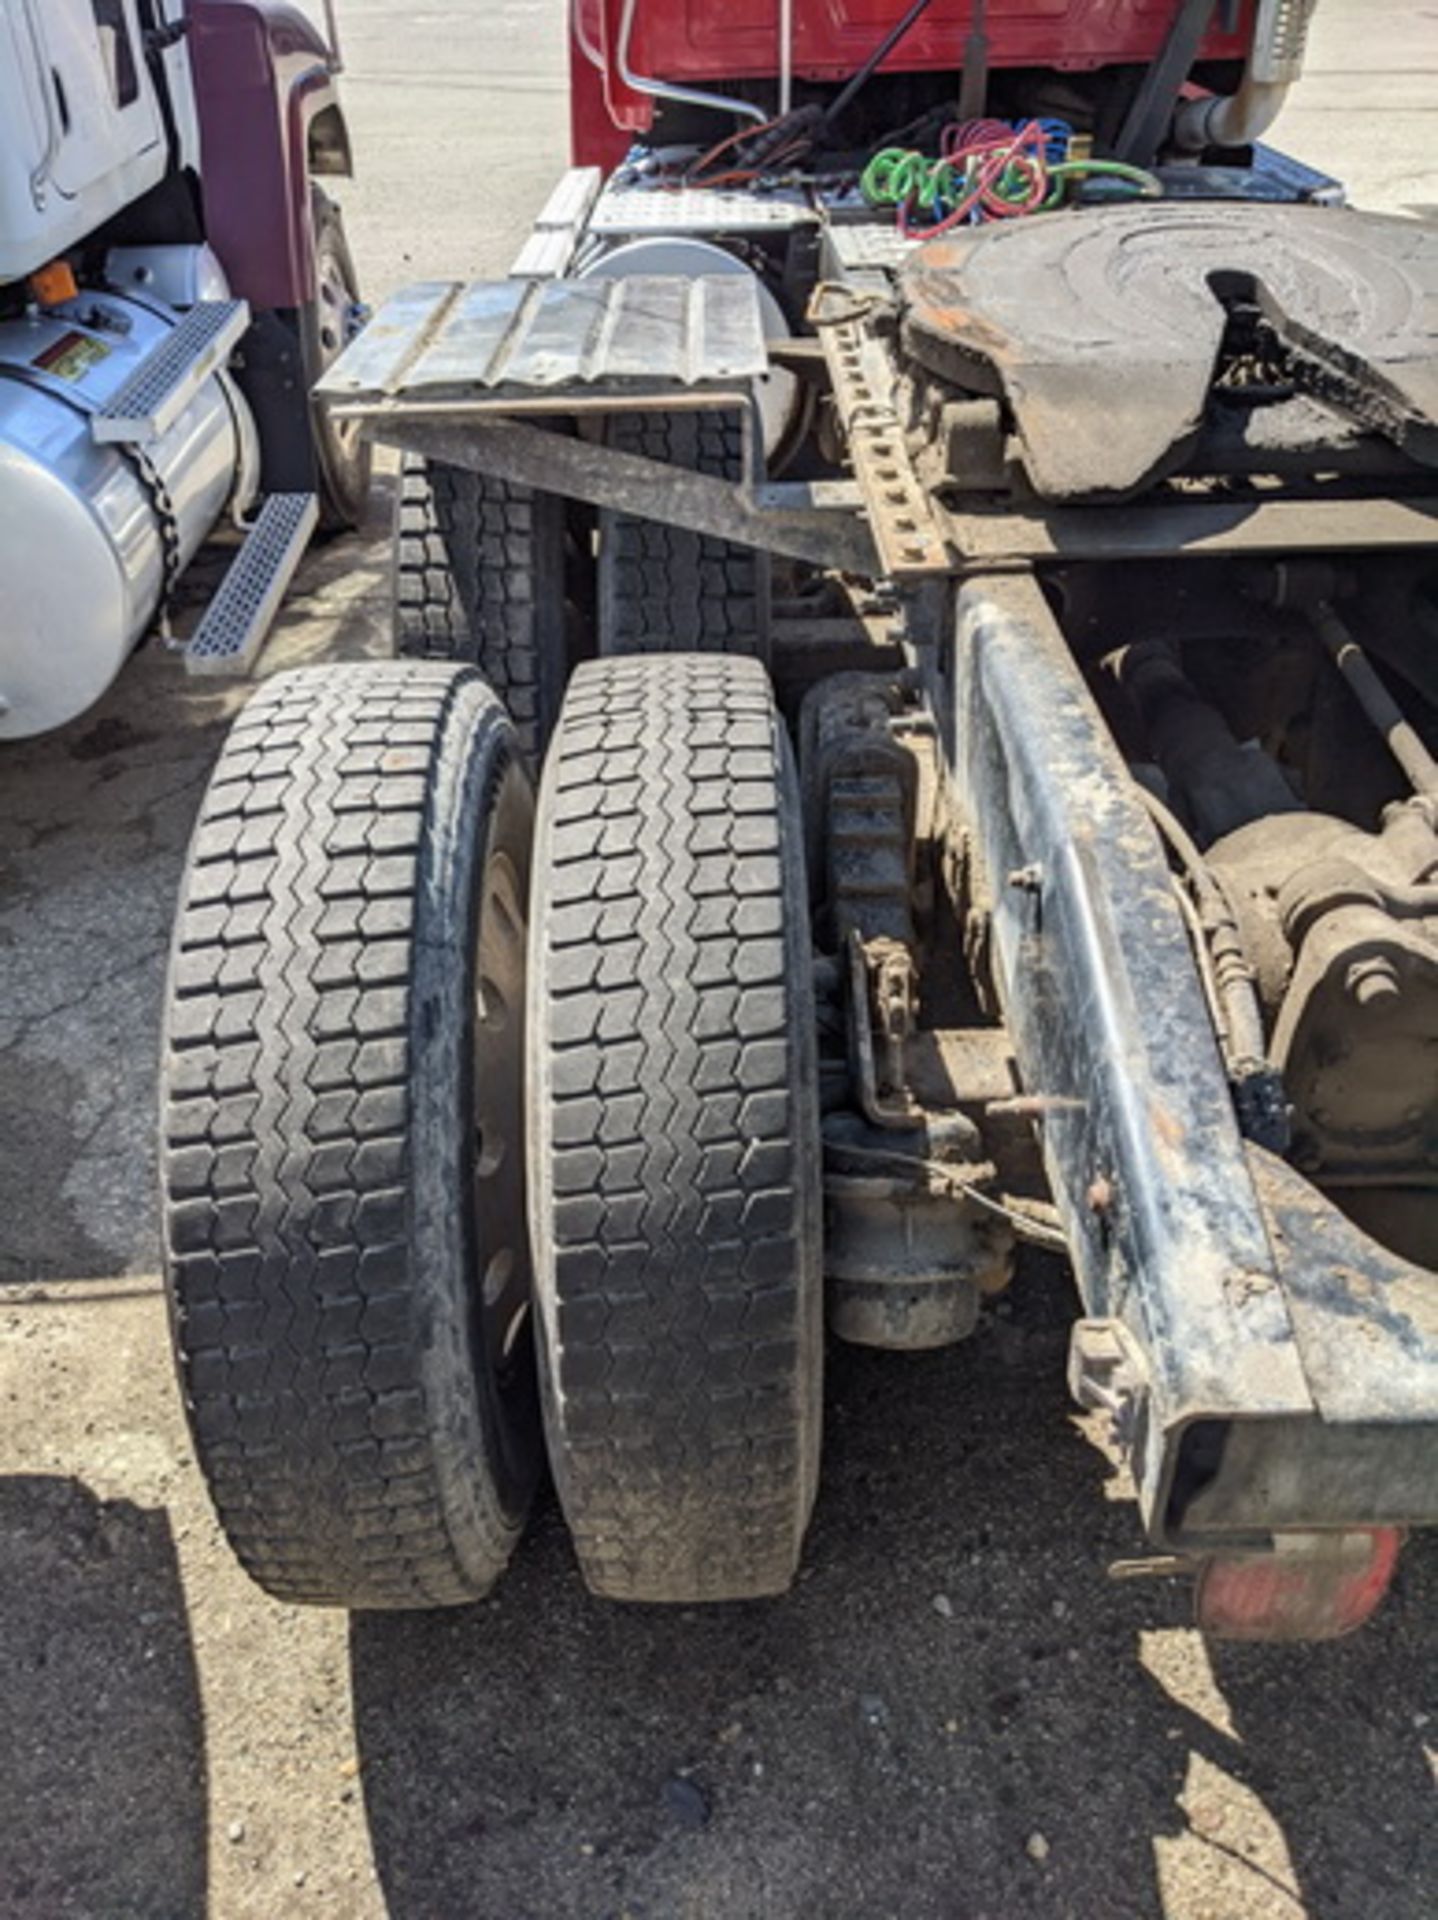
point(338, 317)
point(504, 1318)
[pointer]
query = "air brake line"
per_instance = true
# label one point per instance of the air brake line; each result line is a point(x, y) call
point(988, 170)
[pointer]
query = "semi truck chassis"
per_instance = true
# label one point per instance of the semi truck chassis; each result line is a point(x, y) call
point(915, 898)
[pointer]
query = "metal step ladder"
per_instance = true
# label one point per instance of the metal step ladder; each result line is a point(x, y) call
point(171, 374)
point(237, 620)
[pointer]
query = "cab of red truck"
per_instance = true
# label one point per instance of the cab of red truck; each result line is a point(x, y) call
point(635, 66)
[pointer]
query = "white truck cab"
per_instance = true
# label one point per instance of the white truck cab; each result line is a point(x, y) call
point(134, 259)
point(82, 133)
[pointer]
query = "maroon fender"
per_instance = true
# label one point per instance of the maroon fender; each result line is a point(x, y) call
point(269, 116)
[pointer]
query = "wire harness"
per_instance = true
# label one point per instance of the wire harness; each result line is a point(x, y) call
point(989, 170)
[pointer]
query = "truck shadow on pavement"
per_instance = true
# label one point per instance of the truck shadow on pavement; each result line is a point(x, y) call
point(103, 1790)
point(956, 1713)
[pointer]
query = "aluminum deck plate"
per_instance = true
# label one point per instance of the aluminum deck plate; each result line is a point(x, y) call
point(623, 210)
point(167, 379)
point(858, 246)
point(866, 255)
point(1108, 369)
point(508, 342)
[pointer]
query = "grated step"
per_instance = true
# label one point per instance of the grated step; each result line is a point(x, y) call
point(169, 377)
point(239, 617)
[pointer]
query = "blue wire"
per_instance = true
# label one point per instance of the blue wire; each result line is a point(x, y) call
point(1058, 138)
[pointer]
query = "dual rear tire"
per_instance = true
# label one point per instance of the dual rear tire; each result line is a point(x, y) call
point(377, 1077)
point(491, 574)
point(674, 1132)
point(479, 578)
point(341, 1094)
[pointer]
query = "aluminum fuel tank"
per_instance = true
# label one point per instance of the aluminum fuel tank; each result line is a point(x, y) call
point(85, 528)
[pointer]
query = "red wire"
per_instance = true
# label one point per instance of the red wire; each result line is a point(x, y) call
point(695, 169)
point(959, 135)
point(792, 150)
point(994, 148)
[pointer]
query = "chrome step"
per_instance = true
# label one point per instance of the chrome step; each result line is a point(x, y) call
point(239, 617)
point(169, 377)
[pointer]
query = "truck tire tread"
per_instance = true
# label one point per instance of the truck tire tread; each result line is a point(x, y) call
point(675, 1154)
point(479, 573)
point(317, 1289)
point(663, 589)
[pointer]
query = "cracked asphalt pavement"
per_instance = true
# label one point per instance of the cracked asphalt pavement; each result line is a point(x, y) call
point(957, 1713)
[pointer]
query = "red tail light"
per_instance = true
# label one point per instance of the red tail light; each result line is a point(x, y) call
point(1310, 1586)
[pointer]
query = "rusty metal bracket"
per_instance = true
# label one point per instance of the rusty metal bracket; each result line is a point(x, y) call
point(1287, 1370)
point(818, 522)
point(882, 972)
point(910, 541)
point(1144, 531)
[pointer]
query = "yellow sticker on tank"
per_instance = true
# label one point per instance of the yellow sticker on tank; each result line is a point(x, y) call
point(71, 356)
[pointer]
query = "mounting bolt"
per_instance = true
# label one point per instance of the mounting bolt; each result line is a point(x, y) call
point(1371, 981)
point(1100, 1194)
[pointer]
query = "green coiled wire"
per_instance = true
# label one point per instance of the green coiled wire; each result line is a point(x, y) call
point(897, 177)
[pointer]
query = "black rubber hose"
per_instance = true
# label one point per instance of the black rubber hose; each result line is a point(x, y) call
point(875, 60)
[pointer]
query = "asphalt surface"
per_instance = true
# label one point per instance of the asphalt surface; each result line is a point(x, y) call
point(956, 1713)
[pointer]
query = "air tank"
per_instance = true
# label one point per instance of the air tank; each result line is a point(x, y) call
point(91, 535)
